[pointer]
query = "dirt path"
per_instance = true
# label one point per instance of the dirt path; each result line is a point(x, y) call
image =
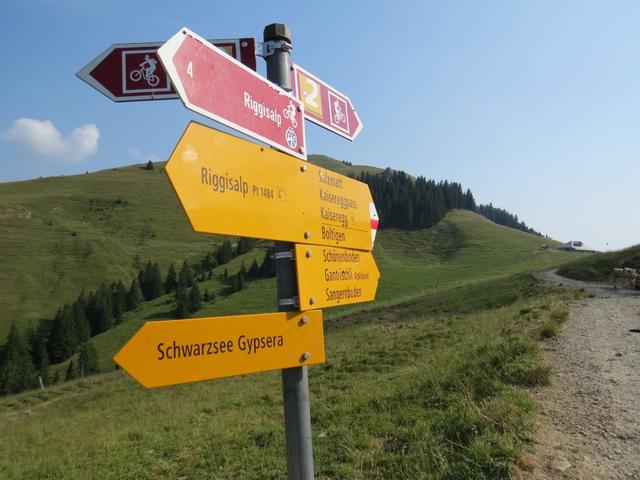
point(589, 420)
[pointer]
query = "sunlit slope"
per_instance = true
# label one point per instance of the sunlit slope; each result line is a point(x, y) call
point(431, 388)
point(341, 167)
point(61, 234)
point(597, 267)
point(462, 249)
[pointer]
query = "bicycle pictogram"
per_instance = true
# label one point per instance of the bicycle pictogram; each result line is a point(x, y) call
point(338, 115)
point(146, 72)
point(290, 113)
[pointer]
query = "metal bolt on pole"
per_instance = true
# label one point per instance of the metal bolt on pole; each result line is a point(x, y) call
point(295, 381)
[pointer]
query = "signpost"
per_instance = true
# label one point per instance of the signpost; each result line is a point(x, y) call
point(170, 352)
point(329, 277)
point(324, 105)
point(230, 186)
point(221, 88)
point(324, 223)
point(126, 72)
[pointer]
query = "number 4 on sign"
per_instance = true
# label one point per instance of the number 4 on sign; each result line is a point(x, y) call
point(190, 69)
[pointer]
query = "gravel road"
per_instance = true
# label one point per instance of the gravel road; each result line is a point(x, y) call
point(589, 417)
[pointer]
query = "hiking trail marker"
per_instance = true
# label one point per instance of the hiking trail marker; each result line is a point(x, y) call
point(324, 105)
point(127, 72)
point(324, 223)
point(230, 186)
point(170, 352)
point(221, 88)
point(330, 277)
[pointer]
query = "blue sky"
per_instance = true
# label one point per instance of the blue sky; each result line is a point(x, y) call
point(533, 105)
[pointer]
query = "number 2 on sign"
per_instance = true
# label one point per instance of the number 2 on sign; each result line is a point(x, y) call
point(310, 94)
point(190, 69)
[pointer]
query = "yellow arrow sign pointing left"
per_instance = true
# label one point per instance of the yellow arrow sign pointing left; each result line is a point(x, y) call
point(180, 351)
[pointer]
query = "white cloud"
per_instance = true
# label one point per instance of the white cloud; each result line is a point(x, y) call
point(43, 138)
point(143, 157)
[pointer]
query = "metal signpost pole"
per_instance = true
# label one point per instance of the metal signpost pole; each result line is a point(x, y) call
point(295, 381)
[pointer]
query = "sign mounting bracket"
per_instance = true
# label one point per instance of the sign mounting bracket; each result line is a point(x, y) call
point(266, 49)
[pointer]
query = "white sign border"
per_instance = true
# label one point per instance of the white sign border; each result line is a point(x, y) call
point(166, 53)
point(342, 133)
point(85, 73)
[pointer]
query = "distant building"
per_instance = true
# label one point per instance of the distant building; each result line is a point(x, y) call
point(576, 246)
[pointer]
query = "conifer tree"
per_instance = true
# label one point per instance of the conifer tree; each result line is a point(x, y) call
point(244, 245)
point(103, 320)
point(268, 267)
point(206, 298)
point(146, 281)
point(82, 327)
point(71, 330)
point(72, 371)
point(225, 253)
point(156, 281)
point(254, 269)
point(134, 295)
point(234, 284)
point(182, 304)
point(39, 354)
point(185, 278)
point(88, 359)
point(195, 302)
point(60, 344)
point(171, 282)
point(17, 372)
point(119, 298)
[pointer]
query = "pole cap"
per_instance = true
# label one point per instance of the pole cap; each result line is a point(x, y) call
point(277, 31)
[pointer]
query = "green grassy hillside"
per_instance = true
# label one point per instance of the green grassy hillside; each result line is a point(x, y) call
point(598, 267)
point(61, 234)
point(434, 387)
point(463, 249)
point(427, 382)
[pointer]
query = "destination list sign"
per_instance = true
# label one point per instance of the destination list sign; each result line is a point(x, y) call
point(180, 351)
point(230, 186)
point(329, 276)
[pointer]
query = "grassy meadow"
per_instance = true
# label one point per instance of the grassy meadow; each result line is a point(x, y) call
point(434, 387)
point(597, 267)
point(412, 264)
point(428, 381)
point(61, 234)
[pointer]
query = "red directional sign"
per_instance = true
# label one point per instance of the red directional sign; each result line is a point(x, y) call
point(221, 88)
point(125, 72)
point(324, 105)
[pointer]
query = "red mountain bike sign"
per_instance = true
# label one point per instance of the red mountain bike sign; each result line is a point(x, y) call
point(126, 72)
point(223, 89)
point(324, 105)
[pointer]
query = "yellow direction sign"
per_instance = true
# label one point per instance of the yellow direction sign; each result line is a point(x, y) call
point(328, 276)
point(180, 351)
point(231, 186)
